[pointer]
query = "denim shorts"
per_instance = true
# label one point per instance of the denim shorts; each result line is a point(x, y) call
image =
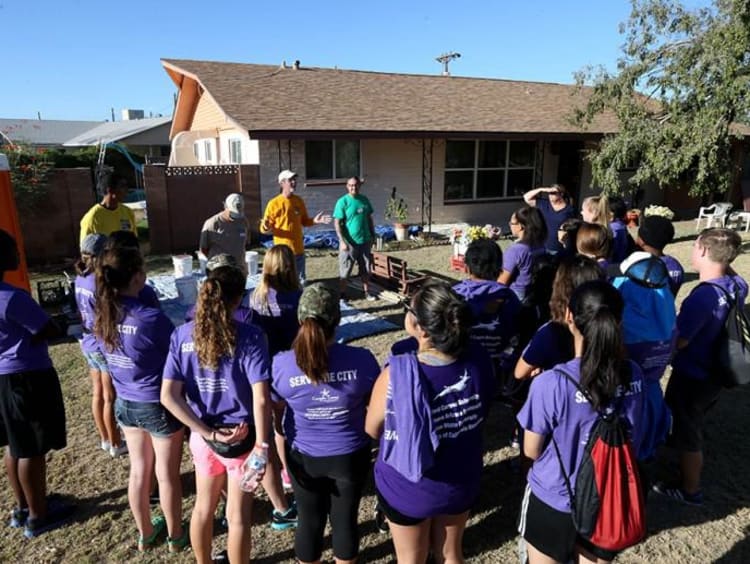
point(96, 361)
point(151, 417)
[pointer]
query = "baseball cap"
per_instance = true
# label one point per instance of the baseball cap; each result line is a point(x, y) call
point(93, 244)
point(286, 175)
point(236, 206)
point(320, 302)
point(645, 269)
point(220, 260)
point(656, 231)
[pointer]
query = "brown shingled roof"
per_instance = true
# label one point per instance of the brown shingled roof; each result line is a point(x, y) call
point(269, 99)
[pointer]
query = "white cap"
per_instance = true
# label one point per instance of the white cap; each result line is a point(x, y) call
point(235, 205)
point(286, 175)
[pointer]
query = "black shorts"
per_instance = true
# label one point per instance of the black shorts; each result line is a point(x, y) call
point(395, 516)
point(552, 532)
point(690, 400)
point(32, 413)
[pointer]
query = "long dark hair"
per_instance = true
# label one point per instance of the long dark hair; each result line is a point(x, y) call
point(113, 274)
point(444, 316)
point(534, 227)
point(597, 312)
point(214, 333)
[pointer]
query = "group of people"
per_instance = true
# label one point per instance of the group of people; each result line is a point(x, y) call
point(563, 327)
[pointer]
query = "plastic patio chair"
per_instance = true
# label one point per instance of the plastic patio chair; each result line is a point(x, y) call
point(716, 212)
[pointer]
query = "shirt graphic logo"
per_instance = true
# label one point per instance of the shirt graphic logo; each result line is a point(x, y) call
point(325, 396)
point(459, 386)
point(491, 326)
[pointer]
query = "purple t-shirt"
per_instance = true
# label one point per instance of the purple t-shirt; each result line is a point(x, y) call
point(280, 320)
point(85, 293)
point(556, 407)
point(20, 319)
point(701, 318)
point(136, 365)
point(459, 394)
point(620, 241)
point(221, 397)
point(327, 419)
point(553, 219)
point(551, 345)
point(519, 259)
point(676, 273)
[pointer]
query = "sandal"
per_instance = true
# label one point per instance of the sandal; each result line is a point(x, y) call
point(178, 544)
point(160, 525)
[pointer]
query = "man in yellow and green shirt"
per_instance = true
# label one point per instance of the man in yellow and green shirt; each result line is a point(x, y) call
point(286, 215)
point(111, 214)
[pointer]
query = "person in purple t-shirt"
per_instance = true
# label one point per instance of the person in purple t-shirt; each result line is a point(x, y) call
point(32, 413)
point(594, 241)
point(693, 387)
point(654, 233)
point(216, 383)
point(556, 208)
point(557, 410)
point(428, 409)
point(102, 390)
point(622, 242)
point(527, 226)
point(135, 340)
point(324, 387)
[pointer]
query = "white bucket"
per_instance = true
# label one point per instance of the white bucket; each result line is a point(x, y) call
point(251, 258)
point(183, 266)
point(202, 262)
point(187, 290)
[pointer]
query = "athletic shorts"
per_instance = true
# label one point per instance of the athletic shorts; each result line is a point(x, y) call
point(361, 255)
point(690, 400)
point(32, 413)
point(395, 516)
point(552, 532)
point(96, 361)
point(152, 417)
point(208, 463)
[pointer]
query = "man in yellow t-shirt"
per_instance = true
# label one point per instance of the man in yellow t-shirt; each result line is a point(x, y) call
point(110, 214)
point(286, 215)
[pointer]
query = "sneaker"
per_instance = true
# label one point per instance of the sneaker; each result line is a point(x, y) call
point(282, 521)
point(57, 515)
point(18, 517)
point(285, 480)
point(106, 446)
point(221, 558)
point(371, 298)
point(381, 523)
point(114, 451)
point(678, 494)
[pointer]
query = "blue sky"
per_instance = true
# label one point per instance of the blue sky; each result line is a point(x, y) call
point(76, 59)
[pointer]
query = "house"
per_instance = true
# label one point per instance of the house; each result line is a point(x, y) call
point(144, 136)
point(43, 133)
point(456, 148)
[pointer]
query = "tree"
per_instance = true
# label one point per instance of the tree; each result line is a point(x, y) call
point(681, 89)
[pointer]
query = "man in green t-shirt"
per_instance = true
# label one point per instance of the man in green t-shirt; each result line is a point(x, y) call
point(353, 221)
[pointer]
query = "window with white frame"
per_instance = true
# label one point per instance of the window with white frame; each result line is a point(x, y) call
point(326, 160)
point(208, 151)
point(197, 151)
point(235, 151)
point(485, 170)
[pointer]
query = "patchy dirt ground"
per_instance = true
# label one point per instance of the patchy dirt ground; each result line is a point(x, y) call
point(104, 531)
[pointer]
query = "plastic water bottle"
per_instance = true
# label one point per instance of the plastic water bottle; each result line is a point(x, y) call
point(253, 464)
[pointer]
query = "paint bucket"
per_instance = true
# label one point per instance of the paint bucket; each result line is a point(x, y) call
point(187, 290)
point(183, 266)
point(202, 262)
point(251, 258)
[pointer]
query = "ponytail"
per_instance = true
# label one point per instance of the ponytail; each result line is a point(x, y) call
point(214, 330)
point(113, 274)
point(599, 208)
point(597, 311)
point(310, 348)
point(444, 316)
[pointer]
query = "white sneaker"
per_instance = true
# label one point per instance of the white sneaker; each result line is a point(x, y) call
point(371, 298)
point(106, 446)
point(114, 451)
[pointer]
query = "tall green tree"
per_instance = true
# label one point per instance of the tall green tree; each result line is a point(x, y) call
point(680, 93)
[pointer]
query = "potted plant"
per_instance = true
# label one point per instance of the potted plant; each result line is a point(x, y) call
point(397, 212)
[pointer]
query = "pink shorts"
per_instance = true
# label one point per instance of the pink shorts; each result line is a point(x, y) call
point(208, 463)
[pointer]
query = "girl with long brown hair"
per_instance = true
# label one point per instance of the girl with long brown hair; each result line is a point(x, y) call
point(135, 340)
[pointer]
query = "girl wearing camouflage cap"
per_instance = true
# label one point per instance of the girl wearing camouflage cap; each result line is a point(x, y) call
point(324, 387)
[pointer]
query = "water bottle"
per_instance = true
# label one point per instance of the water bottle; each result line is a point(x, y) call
point(253, 464)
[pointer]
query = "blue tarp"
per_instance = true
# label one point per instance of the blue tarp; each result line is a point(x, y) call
point(327, 239)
